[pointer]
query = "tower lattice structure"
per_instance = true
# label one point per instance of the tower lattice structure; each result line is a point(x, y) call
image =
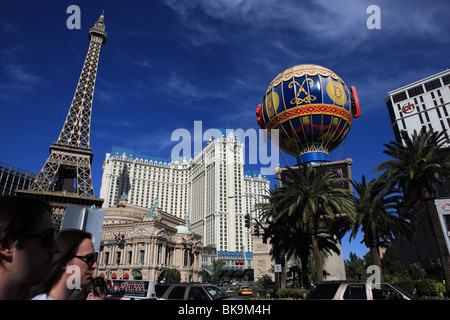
point(66, 175)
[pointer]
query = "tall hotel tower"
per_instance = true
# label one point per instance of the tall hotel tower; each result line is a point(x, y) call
point(424, 103)
point(210, 189)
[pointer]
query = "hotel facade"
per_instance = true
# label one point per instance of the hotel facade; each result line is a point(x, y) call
point(423, 104)
point(211, 189)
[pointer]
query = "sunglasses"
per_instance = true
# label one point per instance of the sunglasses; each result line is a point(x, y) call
point(89, 259)
point(47, 238)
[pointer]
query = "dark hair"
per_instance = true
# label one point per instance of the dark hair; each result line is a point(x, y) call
point(18, 217)
point(96, 285)
point(69, 240)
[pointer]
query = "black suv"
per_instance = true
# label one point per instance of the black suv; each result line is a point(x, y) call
point(356, 290)
point(189, 291)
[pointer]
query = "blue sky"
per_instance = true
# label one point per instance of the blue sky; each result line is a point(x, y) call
point(169, 63)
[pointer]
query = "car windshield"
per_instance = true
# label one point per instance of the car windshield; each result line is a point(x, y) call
point(392, 288)
point(216, 293)
point(324, 291)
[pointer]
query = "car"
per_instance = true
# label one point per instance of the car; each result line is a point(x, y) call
point(130, 290)
point(244, 290)
point(189, 291)
point(356, 290)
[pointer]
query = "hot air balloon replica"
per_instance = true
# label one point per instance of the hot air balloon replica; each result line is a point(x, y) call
point(313, 110)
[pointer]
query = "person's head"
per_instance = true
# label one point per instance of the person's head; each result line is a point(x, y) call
point(77, 250)
point(27, 243)
point(95, 290)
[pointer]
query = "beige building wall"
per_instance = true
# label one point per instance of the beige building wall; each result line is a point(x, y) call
point(152, 242)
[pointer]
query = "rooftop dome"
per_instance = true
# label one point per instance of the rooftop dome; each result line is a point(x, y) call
point(182, 229)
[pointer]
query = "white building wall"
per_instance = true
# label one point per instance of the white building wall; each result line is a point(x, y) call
point(424, 103)
point(211, 188)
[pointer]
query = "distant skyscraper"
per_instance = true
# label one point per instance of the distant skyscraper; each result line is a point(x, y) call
point(12, 178)
point(66, 175)
point(212, 189)
point(424, 103)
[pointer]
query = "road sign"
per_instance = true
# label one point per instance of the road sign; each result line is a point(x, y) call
point(277, 268)
point(86, 219)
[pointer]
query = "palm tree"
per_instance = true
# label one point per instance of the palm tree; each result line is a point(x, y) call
point(374, 206)
point(290, 237)
point(414, 166)
point(310, 195)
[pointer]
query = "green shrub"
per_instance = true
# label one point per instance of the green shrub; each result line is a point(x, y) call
point(406, 284)
point(297, 293)
point(440, 288)
point(428, 287)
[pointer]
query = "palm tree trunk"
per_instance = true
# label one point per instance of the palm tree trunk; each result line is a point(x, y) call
point(305, 273)
point(317, 258)
point(376, 260)
point(282, 261)
point(440, 239)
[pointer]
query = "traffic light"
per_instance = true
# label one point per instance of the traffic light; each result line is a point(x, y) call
point(247, 221)
point(257, 230)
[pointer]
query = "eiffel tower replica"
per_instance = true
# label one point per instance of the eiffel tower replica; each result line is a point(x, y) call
point(66, 175)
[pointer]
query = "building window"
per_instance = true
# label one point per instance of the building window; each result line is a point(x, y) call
point(415, 91)
point(446, 79)
point(433, 84)
point(186, 255)
point(399, 97)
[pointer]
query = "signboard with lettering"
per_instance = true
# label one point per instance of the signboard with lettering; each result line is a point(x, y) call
point(140, 289)
point(277, 267)
point(408, 107)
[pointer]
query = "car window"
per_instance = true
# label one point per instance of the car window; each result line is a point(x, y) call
point(385, 292)
point(324, 291)
point(177, 292)
point(197, 293)
point(216, 293)
point(355, 292)
point(160, 289)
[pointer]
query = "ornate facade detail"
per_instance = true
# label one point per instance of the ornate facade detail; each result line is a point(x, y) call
point(147, 246)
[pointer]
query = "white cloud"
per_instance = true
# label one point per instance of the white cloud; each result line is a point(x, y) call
point(18, 80)
point(324, 20)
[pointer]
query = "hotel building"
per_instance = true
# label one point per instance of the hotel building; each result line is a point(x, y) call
point(423, 104)
point(211, 188)
point(13, 178)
